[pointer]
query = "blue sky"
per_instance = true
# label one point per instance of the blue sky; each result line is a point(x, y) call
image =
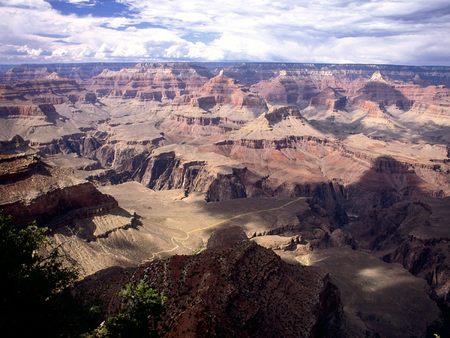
point(334, 31)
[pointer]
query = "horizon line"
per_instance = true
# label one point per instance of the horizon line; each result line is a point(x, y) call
point(221, 62)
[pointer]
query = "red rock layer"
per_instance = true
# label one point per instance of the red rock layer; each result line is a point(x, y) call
point(222, 90)
point(148, 82)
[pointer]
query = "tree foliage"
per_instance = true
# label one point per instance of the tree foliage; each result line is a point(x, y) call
point(140, 312)
point(36, 298)
point(34, 276)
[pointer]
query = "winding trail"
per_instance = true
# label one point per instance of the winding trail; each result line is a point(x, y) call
point(307, 260)
point(173, 239)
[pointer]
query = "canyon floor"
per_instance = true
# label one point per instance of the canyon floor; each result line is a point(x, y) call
point(377, 296)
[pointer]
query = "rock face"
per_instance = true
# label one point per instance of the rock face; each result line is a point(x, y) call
point(46, 90)
point(285, 89)
point(429, 103)
point(217, 177)
point(78, 72)
point(416, 235)
point(33, 191)
point(383, 94)
point(238, 288)
point(376, 116)
point(45, 112)
point(222, 90)
point(426, 258)
point(14, 146)
point(329, 99)
point(148, 82)
point(250, 73)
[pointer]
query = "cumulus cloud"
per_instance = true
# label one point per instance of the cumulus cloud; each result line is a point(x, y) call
point(395, 31)
point(29, 51)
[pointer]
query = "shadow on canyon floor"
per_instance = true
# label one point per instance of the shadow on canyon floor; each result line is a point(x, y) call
point(378, 286)
point(385, 183)
point(86, 228)
point(411, 132)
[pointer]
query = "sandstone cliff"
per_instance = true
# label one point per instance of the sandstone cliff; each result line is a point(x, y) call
point(34, 191)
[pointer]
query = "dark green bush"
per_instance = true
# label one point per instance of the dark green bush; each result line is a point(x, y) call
point(140, 312)
point(34, 278)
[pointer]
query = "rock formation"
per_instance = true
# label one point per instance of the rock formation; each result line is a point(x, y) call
point(148, 82)
point(33, 191)
point(366, 147)
point(236, 287)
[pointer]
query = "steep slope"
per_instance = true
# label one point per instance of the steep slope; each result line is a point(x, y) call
point(278, 123)
point(32, 190)
point(376, 116)
point(182, 166)
point(237, 288)
point(225, 97)
point(285, 89)
point(379, 91)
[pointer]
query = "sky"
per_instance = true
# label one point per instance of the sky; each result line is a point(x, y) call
point(326, 31)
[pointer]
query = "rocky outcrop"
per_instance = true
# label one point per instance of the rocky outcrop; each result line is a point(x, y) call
point(200, 120)
point(236, 287)
point(15, 145)
point(14, 167)
point(148, 82)
point(414, 234)
point(429, 259)
point(330, 99)
point(199, 125)
point(384, 94)
point(77, 143)
point(278, 114)
point(431, 103)
point(288, 142)
point(167, 170)
point(251, 73)
point(60, 206)
point(124, 157)
point(25, 111)
point(286, 89)
point(33, 191)
point(328, 199)
point(47, 89)
point(373, 109)
point(233, 288)
point(78, 72)
point(376, 116)
point(44, 86)
point(426, 258)
point(227, 186)
point(222, 90)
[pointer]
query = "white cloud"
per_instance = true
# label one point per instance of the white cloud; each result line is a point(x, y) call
point(82, 3)
point(397, 31)
point(29, 51)
point(36, 4)
point(60, 52)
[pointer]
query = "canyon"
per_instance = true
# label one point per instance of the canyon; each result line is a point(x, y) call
point(317, 189)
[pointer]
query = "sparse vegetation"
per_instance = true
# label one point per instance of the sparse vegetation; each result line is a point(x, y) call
point(139, 315)
point(35, 276)
point(36, 298)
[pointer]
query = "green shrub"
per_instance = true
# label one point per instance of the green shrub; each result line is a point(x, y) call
point(139, 315)
point(34, 275)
